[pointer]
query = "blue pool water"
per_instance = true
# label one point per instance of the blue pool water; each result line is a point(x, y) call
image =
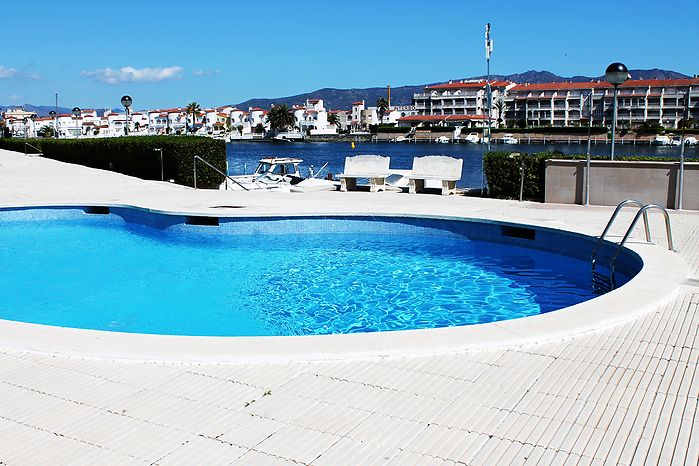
point(101, 272)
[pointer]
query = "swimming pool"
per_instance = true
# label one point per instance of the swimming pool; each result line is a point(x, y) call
point(127, 270)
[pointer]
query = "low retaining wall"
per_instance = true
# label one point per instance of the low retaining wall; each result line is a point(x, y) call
point(613, 181)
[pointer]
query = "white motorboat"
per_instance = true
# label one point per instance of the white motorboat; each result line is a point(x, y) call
point(662, 140)
point(442, 140)
point(509, 139)
point(473, 138)
point(271, 174)
point(401, 139)
point(288, 136)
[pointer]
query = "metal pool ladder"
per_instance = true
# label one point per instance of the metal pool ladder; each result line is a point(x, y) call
point(194, 163)
point(603, 283)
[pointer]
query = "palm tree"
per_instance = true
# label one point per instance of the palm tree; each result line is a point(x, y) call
point(45, 131)
point(333, 119)
point(281, 117)
point(193, 108)
point(500, 106)
point(381, 106)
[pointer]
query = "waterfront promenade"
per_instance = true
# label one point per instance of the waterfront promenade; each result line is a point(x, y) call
point(622, 394)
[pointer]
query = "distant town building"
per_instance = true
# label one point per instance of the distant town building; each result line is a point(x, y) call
point(649, 101)
point(646, 101)
point(464, 102)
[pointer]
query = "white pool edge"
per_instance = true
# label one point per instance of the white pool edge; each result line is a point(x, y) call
point(658, 282)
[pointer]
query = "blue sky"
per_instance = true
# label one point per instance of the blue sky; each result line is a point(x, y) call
point(168, 53)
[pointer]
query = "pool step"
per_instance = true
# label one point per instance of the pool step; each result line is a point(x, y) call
point(601, 283)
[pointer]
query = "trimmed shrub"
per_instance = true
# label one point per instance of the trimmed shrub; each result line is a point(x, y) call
point(503, 173)
point(18, 144)
point(136, 156)
point(437, 129)
point(390, 129)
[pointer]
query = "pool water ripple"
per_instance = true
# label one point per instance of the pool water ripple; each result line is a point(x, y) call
point(103, 273)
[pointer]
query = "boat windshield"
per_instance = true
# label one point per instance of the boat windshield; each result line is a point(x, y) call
point(276, 168)
point(263, 168)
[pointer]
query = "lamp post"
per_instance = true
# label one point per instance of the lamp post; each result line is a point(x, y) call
point(52, 114)
point(162, 170)
point(616, 74)
point(126, 101)
point(76, 114)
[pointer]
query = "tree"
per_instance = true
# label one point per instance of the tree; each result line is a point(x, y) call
point(281, 117)
point(381, 106)
point(193, 108)
point(45, 131)
point(333, 119)
point(501, 107)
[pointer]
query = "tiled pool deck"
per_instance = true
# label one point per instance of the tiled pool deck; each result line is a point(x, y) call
point(625, 394)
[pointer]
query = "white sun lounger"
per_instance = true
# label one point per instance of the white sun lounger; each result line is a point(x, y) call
point(374, 167)
point(435, 167)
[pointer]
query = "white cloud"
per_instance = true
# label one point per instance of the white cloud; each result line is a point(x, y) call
point(129, 74)
point(16, 98)
point(7, 73)
point(206, 72)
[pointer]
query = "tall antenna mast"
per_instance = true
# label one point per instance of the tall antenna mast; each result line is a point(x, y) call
point(488, 51)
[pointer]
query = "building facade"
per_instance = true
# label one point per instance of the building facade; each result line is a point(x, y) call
point(462, 98)
point(650, 101)
point(642, 101)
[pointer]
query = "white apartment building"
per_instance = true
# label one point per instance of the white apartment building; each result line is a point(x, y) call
point(394, 114)
point(313, 118)
point(344, 118)
point(651, 101)
point(20, 122)
point(466, 98)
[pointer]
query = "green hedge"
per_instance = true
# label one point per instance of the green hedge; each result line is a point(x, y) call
point(390, 129)
point(17, 144)
point(136, 156)
point(503, 175)
point(437, 129)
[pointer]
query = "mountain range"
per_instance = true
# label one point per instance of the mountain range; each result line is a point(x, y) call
point(402, 95)
point(343, 98)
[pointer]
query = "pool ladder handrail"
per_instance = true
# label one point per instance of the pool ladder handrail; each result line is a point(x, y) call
point(26, 144)
point(602, 283)
point(194, 163)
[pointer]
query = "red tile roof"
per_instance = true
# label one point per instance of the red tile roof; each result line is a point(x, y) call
point(464, 85)
point(443, 117)
point(605, 84)
point(358, 103)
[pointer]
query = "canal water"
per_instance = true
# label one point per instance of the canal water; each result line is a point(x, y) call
point(243, 156)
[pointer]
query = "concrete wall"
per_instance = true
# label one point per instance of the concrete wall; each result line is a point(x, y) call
point(611, 182)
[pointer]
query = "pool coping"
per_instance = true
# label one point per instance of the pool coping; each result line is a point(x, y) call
point(659, 281)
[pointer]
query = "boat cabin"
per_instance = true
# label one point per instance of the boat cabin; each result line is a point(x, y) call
point(279, 166)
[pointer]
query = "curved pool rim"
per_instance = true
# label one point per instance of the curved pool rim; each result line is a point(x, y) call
point(662, 274)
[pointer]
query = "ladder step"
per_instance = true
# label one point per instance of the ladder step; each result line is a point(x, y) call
point(601, 283)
